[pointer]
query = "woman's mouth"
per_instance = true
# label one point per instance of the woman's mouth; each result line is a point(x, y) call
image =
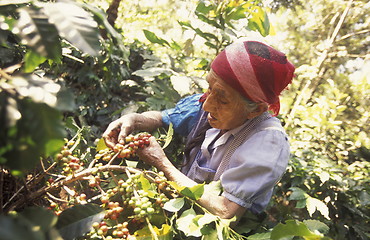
point(211, 117)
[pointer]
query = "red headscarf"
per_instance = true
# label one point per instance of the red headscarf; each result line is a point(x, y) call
point(256, 70)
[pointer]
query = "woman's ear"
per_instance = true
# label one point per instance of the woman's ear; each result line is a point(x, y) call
point(261, 108)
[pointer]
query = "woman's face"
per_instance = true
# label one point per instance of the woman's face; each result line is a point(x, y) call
point(227, 110)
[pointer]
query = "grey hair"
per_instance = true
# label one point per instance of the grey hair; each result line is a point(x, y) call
point(249, 104)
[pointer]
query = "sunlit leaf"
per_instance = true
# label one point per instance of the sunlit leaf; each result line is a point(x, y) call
point(206, 219)
point(38, 33)
point(209, 20)
point(259, 21)
point(213, 187)
point(101, 145)
point(174, 205)
point(187, 223)
point(164, 233)
point(290, 229)
point(194, 192)
point(144, 183)
point(168, 136)
point(40, 90)
point(101, 17)
point(75, 25)
point(32, 60)
point(314, 204)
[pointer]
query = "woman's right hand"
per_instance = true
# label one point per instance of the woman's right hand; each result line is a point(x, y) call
point(127, 124)
point(118, 130)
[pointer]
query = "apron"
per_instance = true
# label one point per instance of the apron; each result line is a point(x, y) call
point(200, 174)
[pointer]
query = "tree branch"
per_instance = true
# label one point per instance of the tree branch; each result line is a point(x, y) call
point(309, 88)
point(71, 179)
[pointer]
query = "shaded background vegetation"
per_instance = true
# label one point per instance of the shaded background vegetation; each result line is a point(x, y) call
point(139, 56)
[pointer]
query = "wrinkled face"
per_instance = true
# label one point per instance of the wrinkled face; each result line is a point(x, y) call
point(226, 107)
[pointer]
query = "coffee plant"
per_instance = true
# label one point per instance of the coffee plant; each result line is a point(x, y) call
point(131, 202)
point(51, 61)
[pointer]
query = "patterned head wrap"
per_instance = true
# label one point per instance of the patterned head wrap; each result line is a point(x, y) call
point(257, 71)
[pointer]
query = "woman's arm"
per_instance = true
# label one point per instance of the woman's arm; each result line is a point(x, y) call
point(218, 205)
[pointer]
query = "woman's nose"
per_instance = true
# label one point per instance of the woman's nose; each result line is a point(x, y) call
point(208, 103)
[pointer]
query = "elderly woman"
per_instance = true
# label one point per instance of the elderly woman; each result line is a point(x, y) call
point(232, 137)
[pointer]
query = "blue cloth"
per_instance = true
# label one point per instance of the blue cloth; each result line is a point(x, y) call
point(184, 115)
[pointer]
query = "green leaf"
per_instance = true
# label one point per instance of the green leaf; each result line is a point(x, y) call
point(213, 187)
point(41, 217)
point(314, 204)
point(168, 136)
point(207, 218)
point(39, 132)
point(315, 225)
point(32, 60)
point(101, 145)
point(77, 220)
point(36, 32)
point(75, 25)
point(164, 233)
point(101, 17)
point(236, 13)
point(195, 192)
point(144, 183)
point(17, 228)
point(153, 38)
point(174, 205)
point(211, 234)
point(297, 194)
point(260, 236)
point(259, 21)
point(187, 223)
point(202, 8)
point(66, 101)
point(301, 203)
point(290, 229)
point(209, 21)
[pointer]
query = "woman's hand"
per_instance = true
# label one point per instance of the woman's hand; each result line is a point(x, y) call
point(125, 125)
point(153, 154)
point(118, 130)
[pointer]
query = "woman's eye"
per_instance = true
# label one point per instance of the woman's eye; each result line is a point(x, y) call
point(223, 101)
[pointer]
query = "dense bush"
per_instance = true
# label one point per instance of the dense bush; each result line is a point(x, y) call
point(66, 73)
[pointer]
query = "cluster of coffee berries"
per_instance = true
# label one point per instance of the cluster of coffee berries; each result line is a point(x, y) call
point(119, 231)
point(133, 200)
point(125, 149)
point(113, 211)
point(67, 160)
point(100, 229)
point(94, 181)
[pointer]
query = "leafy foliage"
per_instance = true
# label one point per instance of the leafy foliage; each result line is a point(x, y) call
point(77, 220)
point(60, 78)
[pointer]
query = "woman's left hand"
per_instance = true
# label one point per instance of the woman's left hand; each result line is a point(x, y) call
point(152, 154)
